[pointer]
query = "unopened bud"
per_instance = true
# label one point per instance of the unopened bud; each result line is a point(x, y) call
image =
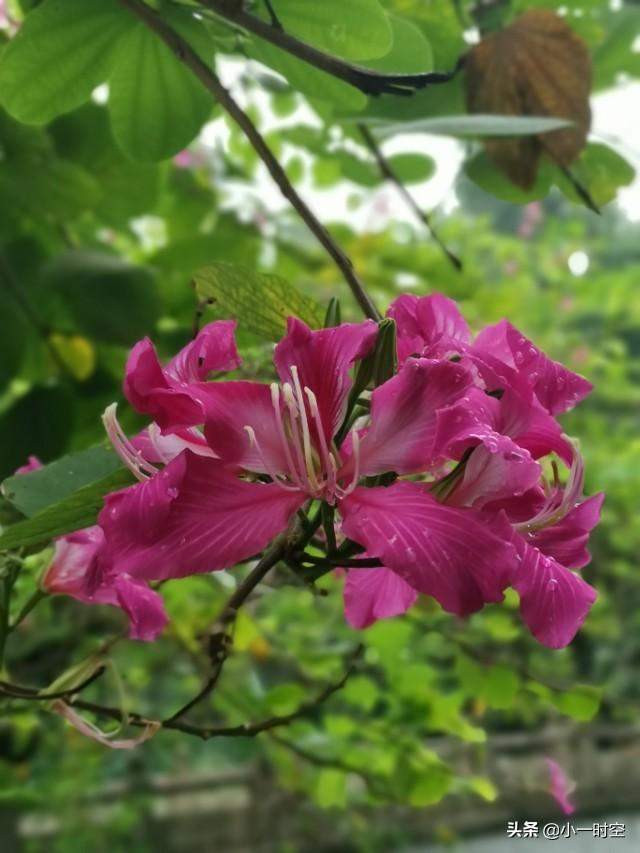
point(333, 315)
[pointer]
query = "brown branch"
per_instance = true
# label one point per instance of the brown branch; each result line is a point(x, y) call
point(208, 732)
point(220, 640)
point(18, 691)
point(275, 21)
point(367, 81)
point(210, 81)
point(388, 173)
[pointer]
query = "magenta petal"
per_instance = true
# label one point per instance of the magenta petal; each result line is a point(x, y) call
point(195, 516)
point(173, 395)
point(496, 470)
point(143, 606)
point(72, 560)
point(560, 786)
point(230, 408)
point(567, 540)
point(430, 326)
point(323, 359)
point(543, 435)
point(372, 594)
point(156, 447)
point(69, 573)
point(32, 464)
point(404, 416)
point(554, 601)
point(458, 556)
point(213, 349)
point(149, 391)
point(465, 423)
point(557, 388)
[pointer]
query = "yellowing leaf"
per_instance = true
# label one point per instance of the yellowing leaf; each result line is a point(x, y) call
point(537, 66)
point(77, 354)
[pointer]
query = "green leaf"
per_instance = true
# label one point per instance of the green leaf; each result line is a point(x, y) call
point(410, 53)
point(501, 686)
point(331, 789)
point(361, 692)
point(76, 512)
point(285, 698)
point(61, 53)
point(615, 54)
point(355, 30)
point(15, 331)
point(476, 125)
point(260, 303)
point(581, 703)
point(39, 423)
point(412, 168)
point(307, 79)
point(481, 170)
point(359, 171)
point(108, 299)
point(33, 492)
point(602, 171)
point(57, 187)
point(156, 103)
point(128, 189)
point(470, 675)
point(483, 787)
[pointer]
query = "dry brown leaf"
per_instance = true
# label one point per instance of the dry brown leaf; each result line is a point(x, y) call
point(535, 66)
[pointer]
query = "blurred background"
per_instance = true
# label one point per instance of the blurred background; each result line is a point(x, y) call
point(442, 734)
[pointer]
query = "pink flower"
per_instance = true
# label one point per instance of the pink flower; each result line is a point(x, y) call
point(67, 574)
point(461, 535)
point(501, 353)
point(560, 786)
point(499, 436)
point(203, 514)
point(173, 394)
point(72, 560)
point(32, 464)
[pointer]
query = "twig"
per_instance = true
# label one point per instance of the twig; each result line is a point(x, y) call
point(220, 640)
point(367, 81)
point(275, 21)
point(27, 607)
point(208, 732)
point(17, 691)
point(388, 172)
point(210, 81)
point(580, 189)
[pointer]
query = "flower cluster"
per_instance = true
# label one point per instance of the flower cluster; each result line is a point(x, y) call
point(435, 473)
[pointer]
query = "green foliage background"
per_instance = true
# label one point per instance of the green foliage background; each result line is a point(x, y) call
point(101, 233)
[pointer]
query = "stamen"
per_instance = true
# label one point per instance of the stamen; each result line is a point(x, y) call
point(132, 458)
point(275, 476)
point(550, 514)
point(292, 406)
point(306, 435)
point(153, 431)
point(275, 399)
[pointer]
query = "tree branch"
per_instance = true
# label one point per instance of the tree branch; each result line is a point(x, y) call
point(387, 172)
point(220, 640)
point(367, 81)
point(210, 81)
point(17, 691)
point(208, 732)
